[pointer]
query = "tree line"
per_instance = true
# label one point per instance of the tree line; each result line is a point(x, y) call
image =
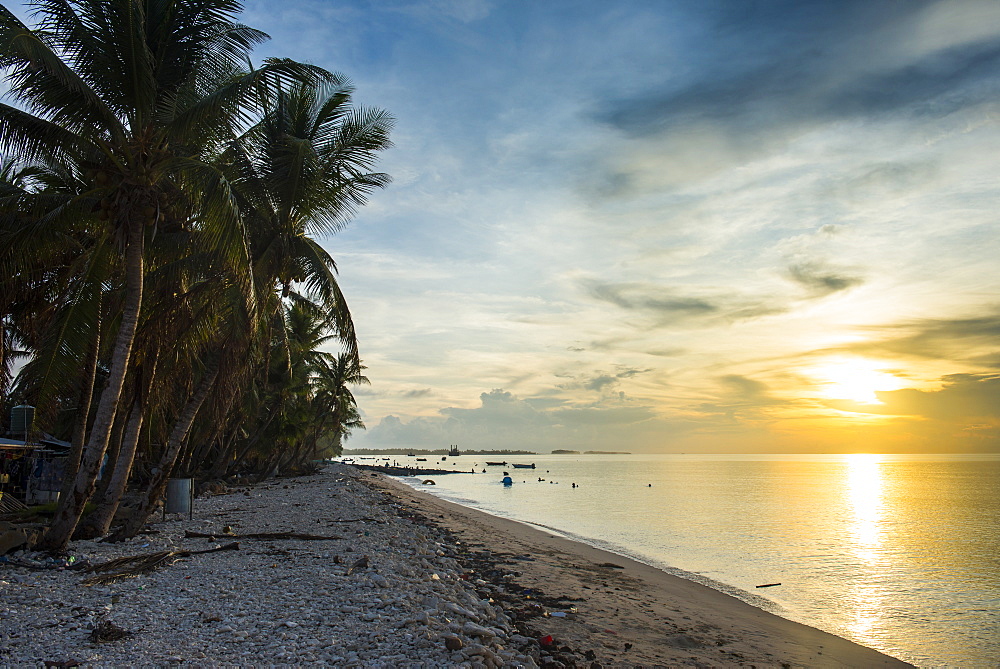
point(160, 199)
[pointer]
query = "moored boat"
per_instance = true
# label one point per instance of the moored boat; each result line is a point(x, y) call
point(517, 466)
point(497, 464)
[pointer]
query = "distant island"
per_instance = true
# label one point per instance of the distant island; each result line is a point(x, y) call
point(563, 451)
point(437, 451)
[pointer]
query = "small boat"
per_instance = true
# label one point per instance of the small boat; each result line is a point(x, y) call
point(517, 466)
point(410, 455)
point(421, 459)
point(497, 464)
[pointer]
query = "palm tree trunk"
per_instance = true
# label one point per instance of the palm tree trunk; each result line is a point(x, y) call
point(98, 522)
point(246, 449)
point(227, 448)
point(158, 484)
point(3, 357)
point(200, 457)
point(111, 457)
point(83, 414)
point(270, 466)
point(71, 507)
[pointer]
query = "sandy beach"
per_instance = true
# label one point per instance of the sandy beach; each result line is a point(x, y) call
point(346, 568)
point(631, 614)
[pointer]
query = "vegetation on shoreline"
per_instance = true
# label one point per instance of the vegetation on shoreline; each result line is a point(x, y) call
point(159, 202)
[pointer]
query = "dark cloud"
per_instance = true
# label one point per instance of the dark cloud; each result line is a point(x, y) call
point(644, 297)
point(965, 339)
point(606, 381)
point(666, 308)
point(600, 382)
point(629, 372)
point(963, 396)
point(744, 387)
point(821, 280)
point(780, 64)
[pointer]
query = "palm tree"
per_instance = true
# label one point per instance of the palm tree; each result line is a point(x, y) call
point(131, 96)
point(302, 170)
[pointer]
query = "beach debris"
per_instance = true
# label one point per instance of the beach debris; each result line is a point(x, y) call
point(106, 631)
point(453, 642)
point(126, 567)
point(768, 585)
point(188, 534)
point(612, 565)
point(55, 563)
point(429, 482)
point(361, 563)
point(472, 629)
point(546, 640)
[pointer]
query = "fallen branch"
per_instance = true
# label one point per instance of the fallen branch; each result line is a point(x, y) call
point(188, 534)
point(137, 565)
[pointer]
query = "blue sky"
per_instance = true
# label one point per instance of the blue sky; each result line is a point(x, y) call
point(717, 226)
point(673, 225)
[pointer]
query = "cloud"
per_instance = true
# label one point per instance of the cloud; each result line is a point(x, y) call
point(814, 61)
point(666, 308)
point(975, 340)
point(504, 420)
point(963, 415)
point(963, 397)
point(604, 381)
point(600, 382)
point(820, 280)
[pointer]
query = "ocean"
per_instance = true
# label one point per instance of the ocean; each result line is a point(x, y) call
point(900, 553)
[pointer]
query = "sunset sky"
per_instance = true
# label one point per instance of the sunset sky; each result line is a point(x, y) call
point(673, 225)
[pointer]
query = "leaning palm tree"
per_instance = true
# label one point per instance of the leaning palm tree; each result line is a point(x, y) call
point(131, 96)
point(303, 171)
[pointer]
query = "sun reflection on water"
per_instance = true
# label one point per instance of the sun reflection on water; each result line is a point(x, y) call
point(864, 492)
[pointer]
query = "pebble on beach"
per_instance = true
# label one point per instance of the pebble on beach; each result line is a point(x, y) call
point(272, 601)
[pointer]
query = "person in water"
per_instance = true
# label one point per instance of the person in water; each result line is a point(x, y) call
point(507, 480)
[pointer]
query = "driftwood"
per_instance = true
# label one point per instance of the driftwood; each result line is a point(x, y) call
point(188, 534)
point(122, 568)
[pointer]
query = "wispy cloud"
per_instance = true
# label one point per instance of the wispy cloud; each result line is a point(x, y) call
point(646, 222)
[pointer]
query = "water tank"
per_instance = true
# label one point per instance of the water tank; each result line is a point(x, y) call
point(21, 418)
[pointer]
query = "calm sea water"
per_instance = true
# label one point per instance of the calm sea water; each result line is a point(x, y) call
point(898, 552)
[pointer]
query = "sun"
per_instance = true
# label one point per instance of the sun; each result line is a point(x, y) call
point(855, 379)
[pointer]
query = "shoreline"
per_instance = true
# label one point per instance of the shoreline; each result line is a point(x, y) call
point(353, 569)
point(665, 619)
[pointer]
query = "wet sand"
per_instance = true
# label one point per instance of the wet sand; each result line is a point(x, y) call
point(628, 613)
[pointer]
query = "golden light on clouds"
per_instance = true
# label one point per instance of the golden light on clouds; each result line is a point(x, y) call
point(855, 379)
